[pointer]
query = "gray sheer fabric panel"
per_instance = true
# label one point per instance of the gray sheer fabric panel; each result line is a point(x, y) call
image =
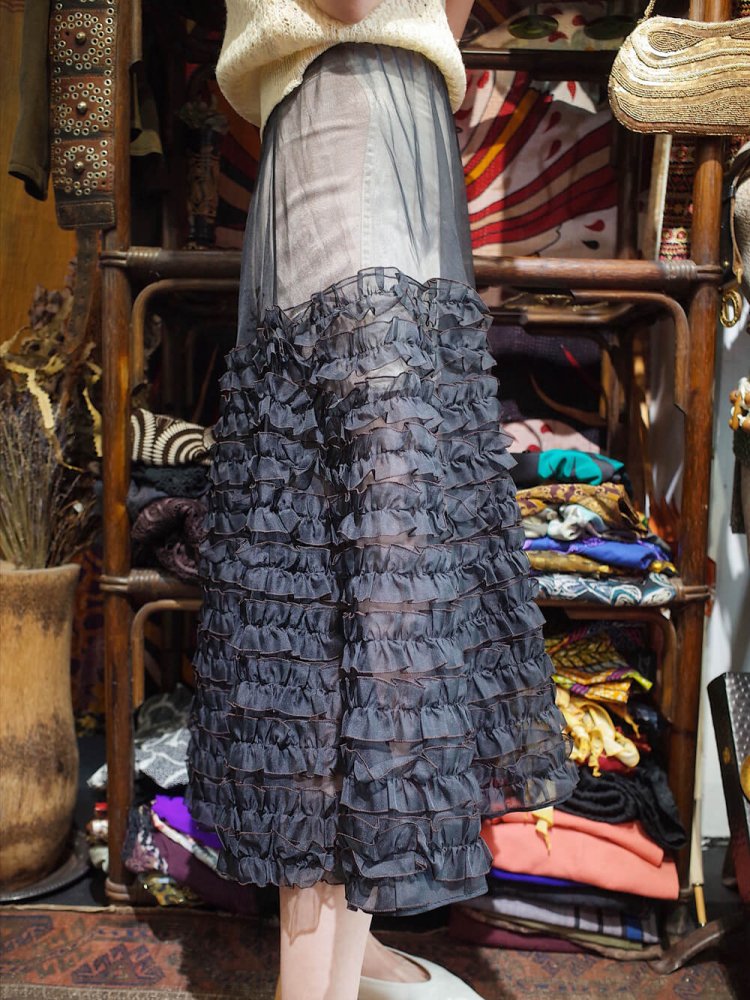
point(359, 169)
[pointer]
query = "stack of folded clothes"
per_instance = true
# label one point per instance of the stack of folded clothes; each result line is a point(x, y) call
point(561, 882)
point(603, 671)
point(590, 873)
point(169, 475)
point(177, 862)
point(584, 537)
point(597, 666)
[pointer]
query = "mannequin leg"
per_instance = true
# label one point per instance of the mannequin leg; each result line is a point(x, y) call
point(322, 944)
point(325, 947)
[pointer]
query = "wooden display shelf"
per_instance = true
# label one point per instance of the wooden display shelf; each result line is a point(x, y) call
point(554, 64)
point(127, 268)
point(554, 273)
point(148, 585)
point(153, 584)
point(154, 592)
point(547, 273)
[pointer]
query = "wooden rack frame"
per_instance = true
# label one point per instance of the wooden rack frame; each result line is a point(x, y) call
point(696, 281)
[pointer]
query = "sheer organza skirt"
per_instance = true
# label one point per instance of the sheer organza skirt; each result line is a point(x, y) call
point(371, 679)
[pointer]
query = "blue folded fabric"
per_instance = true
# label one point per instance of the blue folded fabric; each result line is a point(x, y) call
point(625, 555)
point(533, 879)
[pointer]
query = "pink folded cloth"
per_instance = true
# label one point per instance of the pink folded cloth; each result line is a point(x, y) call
point(542, 435)
point(590, 856)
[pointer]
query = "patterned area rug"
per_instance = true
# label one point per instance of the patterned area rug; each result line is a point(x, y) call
point(157, 954)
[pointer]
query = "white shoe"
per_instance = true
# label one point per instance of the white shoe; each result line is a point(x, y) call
point(442, 985)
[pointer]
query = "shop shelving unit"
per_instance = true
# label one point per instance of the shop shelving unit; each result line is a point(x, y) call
point(688, 290)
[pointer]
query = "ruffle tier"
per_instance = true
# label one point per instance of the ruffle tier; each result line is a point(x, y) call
point(371, 675)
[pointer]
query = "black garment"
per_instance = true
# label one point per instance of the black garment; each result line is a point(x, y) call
point(618, 798)
point(172, 480)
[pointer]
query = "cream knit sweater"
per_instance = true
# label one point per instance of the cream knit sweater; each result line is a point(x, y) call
point(268, 44)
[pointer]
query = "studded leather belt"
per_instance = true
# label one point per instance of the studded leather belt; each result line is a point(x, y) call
point(82, 101)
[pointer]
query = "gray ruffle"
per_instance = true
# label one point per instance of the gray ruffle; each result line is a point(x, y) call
point(371, 674)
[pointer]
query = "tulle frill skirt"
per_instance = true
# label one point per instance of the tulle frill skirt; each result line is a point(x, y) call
point(371, 679)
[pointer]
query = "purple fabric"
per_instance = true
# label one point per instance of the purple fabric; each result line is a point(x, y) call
point(185, 868)
point(172, 810)
point(535, 879)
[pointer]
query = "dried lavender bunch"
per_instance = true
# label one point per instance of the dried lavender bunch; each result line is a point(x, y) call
point(46, 508)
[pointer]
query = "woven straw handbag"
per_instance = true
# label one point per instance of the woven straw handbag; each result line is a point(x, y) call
point(675, 75)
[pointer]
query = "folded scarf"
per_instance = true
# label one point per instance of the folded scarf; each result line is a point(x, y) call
point(568, 895)
point(534, 434)
point(652, 590)
point(539, 881)
point(544, 510)
point(589, 919)
point(630, 837)
point(171, 530)
point(585, 938)
point(562, 562)
point(172, 481)
point(464, 927)
point(591, 666)
point(636, 556)
point(594, 734)
point(173, 810)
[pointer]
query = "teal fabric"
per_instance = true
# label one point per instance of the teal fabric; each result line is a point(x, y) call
point(562, 466)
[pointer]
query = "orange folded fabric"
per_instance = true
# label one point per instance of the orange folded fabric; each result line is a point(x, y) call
point(594, 858)
point(630, 835)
